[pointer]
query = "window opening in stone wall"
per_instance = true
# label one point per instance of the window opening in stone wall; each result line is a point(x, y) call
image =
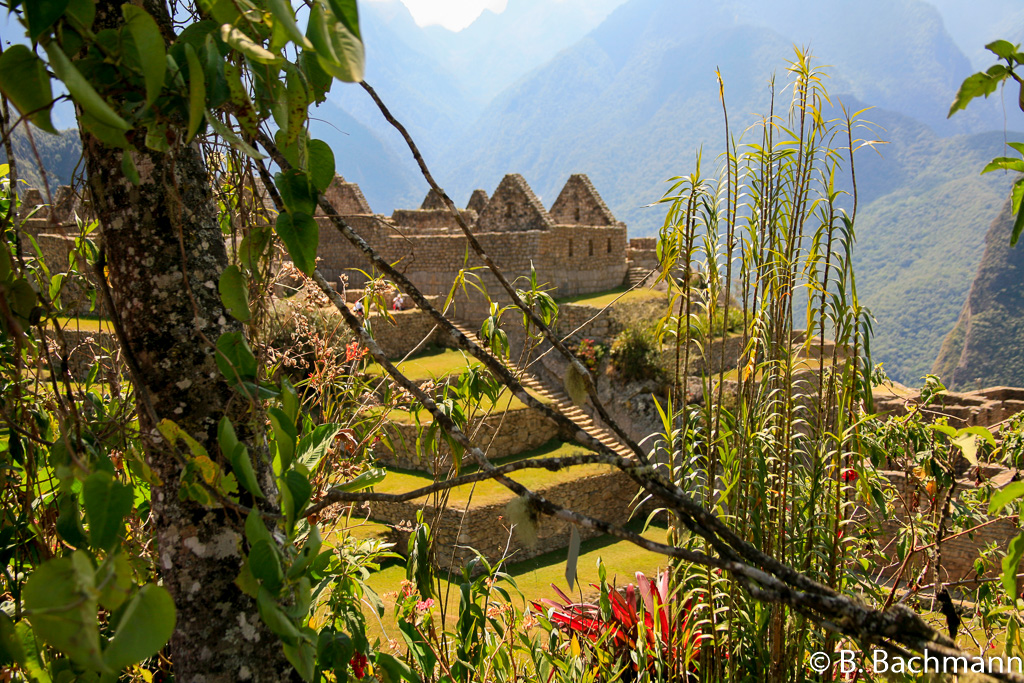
point(570, 247)
point(577, 214)
point(590, 248)
point(609, 245)
point(509, 209)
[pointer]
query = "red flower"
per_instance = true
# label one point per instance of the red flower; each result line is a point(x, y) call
point(849, 475)
point(354, 352)
point(358, 664)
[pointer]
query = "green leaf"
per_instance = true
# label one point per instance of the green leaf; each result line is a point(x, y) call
point(241, 465)
point(1001, 48)
point(235, 358)
point(395, 669)
point(1004, 163)
point(301, 236)
point(150, 45)
point(298, 100)
point(289, 400)
point(196, 93)
point(254, 245)
point(321, 164)
point(81, 11)
point(314, 446)
point(81, 90)
point(128, 168)
point(340, 51)
point(146, 625)
point(61, 603)
point(309, 551)
point(299, 491)
point(107, 503)
point(42, 14)
point(115, 576)
point(33, 659)
point(1011, 561)
point(244, 44)
point(347, 11)
point(255, 529)
point(282, 11)
point(172, 432)
point(285, 436)
point(265, 565)
point(25, 82)
point(275, 618)
point(297, 192)
point(234, 293)
point(1005, 496)
point(11, 649)
point(573, 557)
point(977, 85)
point(229, 136)
point(302, 657)
point(1017, 194)
point(369, 478)
point(69, 522)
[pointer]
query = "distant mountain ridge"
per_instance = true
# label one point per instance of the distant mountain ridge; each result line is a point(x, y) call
point(986, 346)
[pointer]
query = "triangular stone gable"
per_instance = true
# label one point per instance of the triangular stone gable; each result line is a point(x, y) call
point(477, 201)
point(347, 198)
point(513, 208)
point(432, 201)
point(580, 204)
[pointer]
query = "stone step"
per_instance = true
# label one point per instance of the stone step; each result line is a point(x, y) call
point(561, 401)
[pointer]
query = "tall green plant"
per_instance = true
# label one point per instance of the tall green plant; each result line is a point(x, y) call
point(769, 235)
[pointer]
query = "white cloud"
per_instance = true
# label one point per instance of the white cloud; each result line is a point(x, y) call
point(452, 14)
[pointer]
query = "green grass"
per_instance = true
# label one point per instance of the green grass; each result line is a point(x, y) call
point(490, 492)
point(483, 407)
point(533, 577)
point(433, 363)
point(602, 299)
point(86, 324)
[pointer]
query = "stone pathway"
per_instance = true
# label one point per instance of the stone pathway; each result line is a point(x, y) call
point(561, 402)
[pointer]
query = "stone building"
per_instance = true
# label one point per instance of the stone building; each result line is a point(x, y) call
point(578, 247)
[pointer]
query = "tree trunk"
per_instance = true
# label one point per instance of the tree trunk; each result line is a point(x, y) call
point(165, 253)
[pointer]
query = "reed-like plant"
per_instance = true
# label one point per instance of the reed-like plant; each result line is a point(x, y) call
point(769, 236)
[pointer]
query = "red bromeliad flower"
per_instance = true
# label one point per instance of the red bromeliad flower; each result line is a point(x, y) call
point(622, 631)
point(358, 664)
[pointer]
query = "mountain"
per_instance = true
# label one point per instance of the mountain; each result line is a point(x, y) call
point(386, 175)
point(986, 346)
point(920, 235)
point(975, 24)
point(60, 155)
point(632, 102)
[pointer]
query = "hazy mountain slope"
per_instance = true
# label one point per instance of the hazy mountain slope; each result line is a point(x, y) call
point(387, 179)
point(427, 98)
point(497, 49)
point(59, 154)
point(976, 23)
point(920, 242)
point(986, 347)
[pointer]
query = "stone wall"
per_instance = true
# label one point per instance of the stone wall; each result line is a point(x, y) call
point(487, 529)
point(420, 219)
point(499, 435)
point(984, 407)
point(408, 331)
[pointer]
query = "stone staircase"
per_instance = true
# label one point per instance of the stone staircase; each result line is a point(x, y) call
point(561, 402)
point(635, 276)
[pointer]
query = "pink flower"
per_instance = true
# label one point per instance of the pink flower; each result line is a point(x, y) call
point(424, 605)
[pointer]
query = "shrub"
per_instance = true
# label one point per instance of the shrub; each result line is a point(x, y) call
point(634, 354)
point(590, 353)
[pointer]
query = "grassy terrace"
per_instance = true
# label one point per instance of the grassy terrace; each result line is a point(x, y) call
point(86, 324)
point(489, 492)
point(602, 299)
point(533, 577)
